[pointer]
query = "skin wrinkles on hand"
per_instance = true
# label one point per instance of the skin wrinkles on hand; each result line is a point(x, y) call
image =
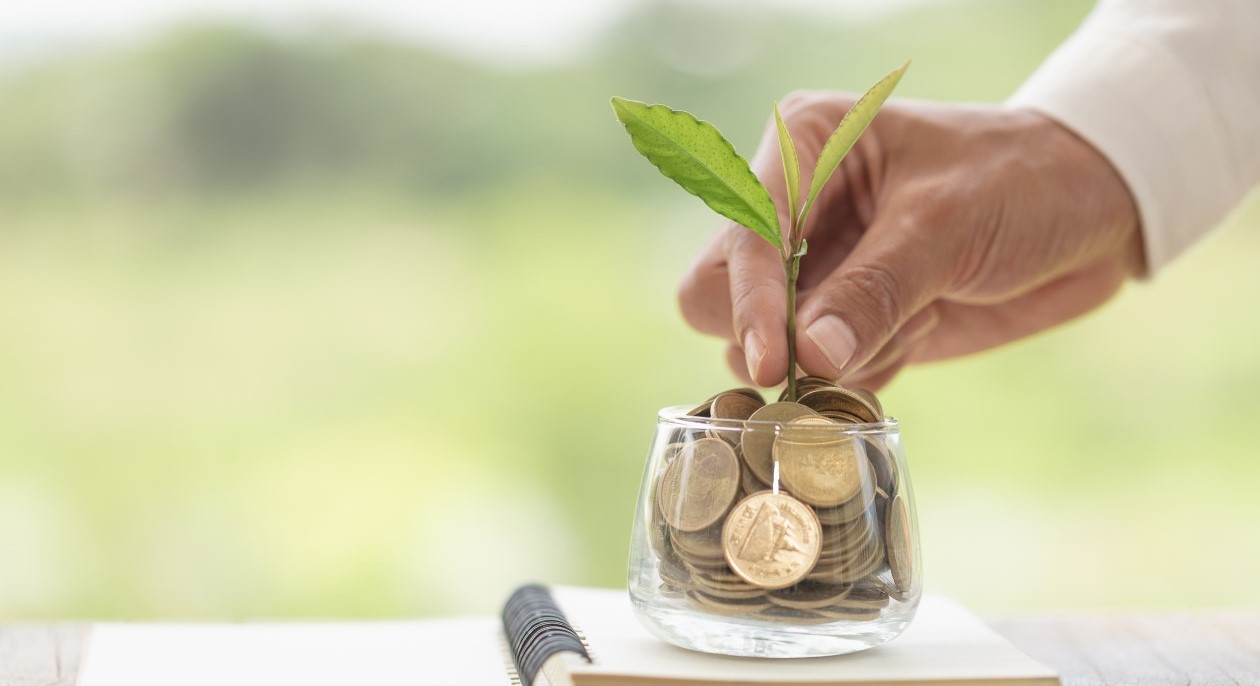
point(947, 230)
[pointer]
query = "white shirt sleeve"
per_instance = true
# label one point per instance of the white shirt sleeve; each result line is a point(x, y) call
point(1169, 91)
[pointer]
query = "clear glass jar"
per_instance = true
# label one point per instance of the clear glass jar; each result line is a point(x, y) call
point(775, 539)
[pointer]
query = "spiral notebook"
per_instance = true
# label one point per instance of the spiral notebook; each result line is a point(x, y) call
point(584, 637)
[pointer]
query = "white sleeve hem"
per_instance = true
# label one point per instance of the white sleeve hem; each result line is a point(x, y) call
point(1146, 111)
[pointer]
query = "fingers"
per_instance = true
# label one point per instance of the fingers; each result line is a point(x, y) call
point(758, 286)
point(737, 289)
point(704, 297)
point(965, 329)
point(758, 297)
point(735, 358)
point(894, 271)
point(896, 352)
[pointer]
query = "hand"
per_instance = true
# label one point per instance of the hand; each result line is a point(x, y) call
point(947, 230)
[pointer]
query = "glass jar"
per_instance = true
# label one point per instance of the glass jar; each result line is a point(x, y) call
point(787, 538)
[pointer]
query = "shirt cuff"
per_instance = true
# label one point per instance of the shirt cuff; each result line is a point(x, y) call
point(1143, 109)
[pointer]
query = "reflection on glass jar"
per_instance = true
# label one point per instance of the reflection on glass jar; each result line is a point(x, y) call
point(790, 533)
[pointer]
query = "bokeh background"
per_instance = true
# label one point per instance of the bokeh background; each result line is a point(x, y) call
point(309, 315)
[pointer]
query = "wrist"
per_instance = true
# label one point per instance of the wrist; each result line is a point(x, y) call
point(1105, 203)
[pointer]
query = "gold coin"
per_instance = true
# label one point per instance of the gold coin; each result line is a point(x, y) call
point(872, 400)
point(725, 589)
point(749, 393)
point(673, 573)
point(758, 441)
point(704, 409)
point(701, 410)
point(805, 384)
point(671, 451)
point(728, 605)
point(772, 540)
point(748, 483)
point(844, 541)
point(846, 513)
point(699, 486)
point(658, 533)
point(882, 582)
point(702, 546)
point(734, 406)
point(897, 541)
point(842, 417)
point(850, 567)
point(787, 615)
point(729, 411)
point(839, 399)
point(819, 466)
point(809, 595)
point(881, 462)
point(724, 575)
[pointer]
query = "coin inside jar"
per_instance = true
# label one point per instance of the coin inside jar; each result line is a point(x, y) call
point(758, 440)
point(784, 512)
point(699, 485)
point(771, 539)
point(818, 466)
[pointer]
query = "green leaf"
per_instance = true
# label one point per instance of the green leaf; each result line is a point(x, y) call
point(791, 165)
point(695, 155)
point(846, 134)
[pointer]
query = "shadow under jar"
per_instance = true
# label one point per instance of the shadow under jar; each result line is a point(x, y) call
point(793, 536)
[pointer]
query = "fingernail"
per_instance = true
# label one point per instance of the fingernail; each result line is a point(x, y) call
point(754, 352)
point(836, 341)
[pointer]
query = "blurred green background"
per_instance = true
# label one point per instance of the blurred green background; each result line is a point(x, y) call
point(319, 322)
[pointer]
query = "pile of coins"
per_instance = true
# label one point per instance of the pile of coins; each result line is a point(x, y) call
point(785, 517)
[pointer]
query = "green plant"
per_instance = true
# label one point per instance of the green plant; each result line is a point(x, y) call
point(697, 157)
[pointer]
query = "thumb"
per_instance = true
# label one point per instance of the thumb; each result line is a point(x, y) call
point(893, 272)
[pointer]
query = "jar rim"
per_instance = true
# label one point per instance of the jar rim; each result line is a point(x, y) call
point(676, 415)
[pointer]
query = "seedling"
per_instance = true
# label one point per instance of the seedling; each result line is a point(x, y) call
point(699, 158)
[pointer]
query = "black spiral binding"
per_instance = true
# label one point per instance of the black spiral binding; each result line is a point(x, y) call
point(536, 629)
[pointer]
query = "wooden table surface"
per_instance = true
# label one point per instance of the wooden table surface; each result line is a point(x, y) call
point(1087, 649)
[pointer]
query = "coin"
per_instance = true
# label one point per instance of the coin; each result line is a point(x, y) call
point(673, 573)
point(840, 399)
point(806, 384)
point(881, 462)
point(758, 441)
point(699, 486)
point(898, 543)
point(819, 466)
point(725, 589)
point(854, 508)
point(728, 605)
point(787, 615)
point(809, 595)
point(842, 417)
point(729, 412)
point(701, 410)
point(830, 542)
point(698, 547)
point(748, 392)
point(853, 567)
point(871, 400)
point(735, 406)
point(771, 539)
point(658, 533)
point(882, 581)
point(749, 484)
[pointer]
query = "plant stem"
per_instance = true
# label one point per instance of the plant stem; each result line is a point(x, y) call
point(791, 268)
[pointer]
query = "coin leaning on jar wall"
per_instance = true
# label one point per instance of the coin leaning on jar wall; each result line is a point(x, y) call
point(824, 538)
